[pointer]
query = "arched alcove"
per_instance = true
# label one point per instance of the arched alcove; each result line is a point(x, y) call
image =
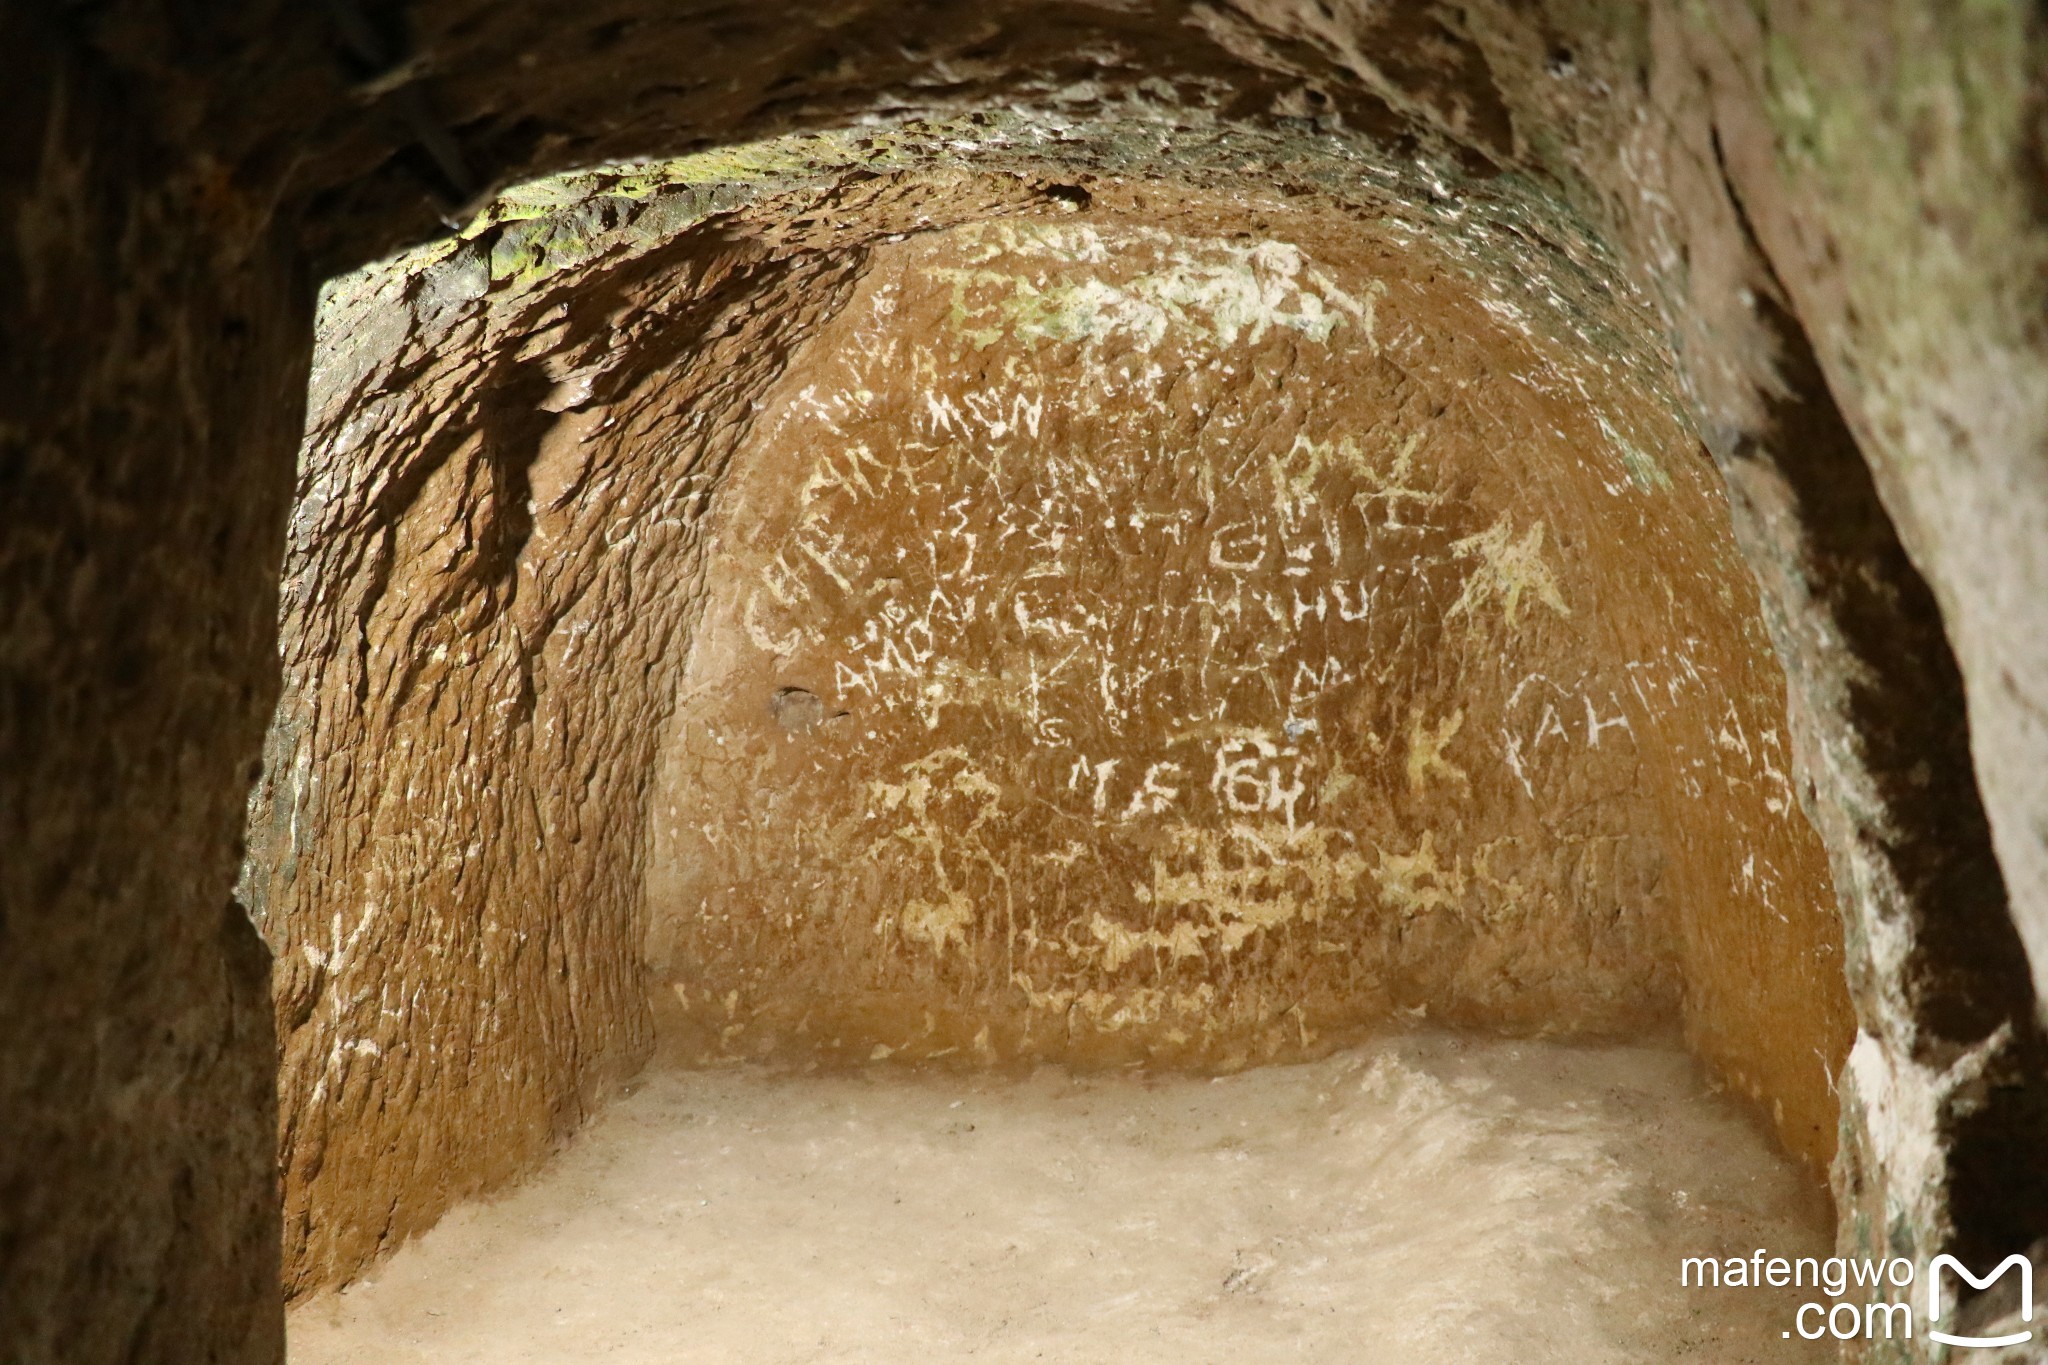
point(1133, 643)
point(1809, 238)
point(863, 597)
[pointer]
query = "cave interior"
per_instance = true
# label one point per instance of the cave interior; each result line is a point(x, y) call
point(1455, 587)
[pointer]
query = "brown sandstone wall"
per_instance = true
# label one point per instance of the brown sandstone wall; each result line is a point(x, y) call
point(1425, 682)
point(1137, 644)
point(492, 555)
point(1830, 205)
point(155, 349)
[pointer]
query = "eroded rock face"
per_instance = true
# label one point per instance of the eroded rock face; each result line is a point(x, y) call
point(491, 576)
point(1054, 635)
point(1137, 644)
point(448, 875)
point(1833, 212)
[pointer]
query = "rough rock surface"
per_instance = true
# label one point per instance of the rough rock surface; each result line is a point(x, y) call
point(1833, 208)
point(1137, 644)
point(1115, 642)
point(452, 883)
point(139, 487)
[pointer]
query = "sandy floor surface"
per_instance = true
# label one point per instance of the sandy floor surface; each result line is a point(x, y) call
point(1426, 1199)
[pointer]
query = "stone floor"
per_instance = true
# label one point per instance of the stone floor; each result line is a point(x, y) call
point(1428, 1199)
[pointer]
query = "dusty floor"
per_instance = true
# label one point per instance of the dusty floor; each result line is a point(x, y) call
point(1424, 1200)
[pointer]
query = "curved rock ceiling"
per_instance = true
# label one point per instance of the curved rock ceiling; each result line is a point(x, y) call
point(909, 593)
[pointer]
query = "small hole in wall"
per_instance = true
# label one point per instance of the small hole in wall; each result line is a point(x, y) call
point(795, 709)
point(1069, 197)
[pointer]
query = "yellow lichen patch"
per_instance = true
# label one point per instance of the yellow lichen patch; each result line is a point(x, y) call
point(1414, 883)
point(1052, 1000)
point(1250, 877)
point(1336, 783)
point(1426, 747)
point(1507, 569)
point(939, 924)
point(1110, 1010)
point(1120, 945)
point(944, 918)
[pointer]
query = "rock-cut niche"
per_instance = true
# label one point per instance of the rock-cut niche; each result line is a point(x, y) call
point(969, 614)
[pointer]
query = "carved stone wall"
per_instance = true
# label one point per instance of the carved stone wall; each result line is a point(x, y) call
point(1052, 635)
point(1141, 644)
point(1831, 209)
